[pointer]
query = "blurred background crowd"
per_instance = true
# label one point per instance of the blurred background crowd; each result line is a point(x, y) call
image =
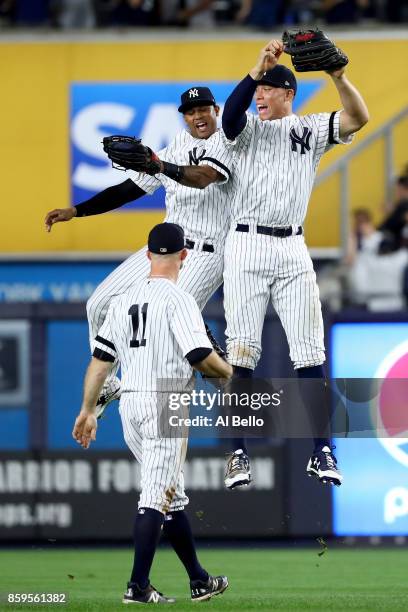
point(373, 275)
point(68, 14)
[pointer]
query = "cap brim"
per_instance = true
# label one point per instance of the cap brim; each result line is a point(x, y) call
point(279, 86)
point(266, 82)
point(187, 105)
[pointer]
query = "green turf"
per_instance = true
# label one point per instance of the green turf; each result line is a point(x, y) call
point(351, 579)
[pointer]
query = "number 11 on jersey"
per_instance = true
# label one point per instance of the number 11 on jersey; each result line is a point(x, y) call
point(135, 311)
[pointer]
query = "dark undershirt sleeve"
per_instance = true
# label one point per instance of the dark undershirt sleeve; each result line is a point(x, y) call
point(103, 355)
point(234, 114)
point(109, 199)
point(197, 355)
point(331, 129)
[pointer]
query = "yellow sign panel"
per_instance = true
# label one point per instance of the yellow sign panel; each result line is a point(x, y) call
point(35, 106)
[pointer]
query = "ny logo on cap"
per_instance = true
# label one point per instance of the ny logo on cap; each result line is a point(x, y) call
point(163, 250)
point(193, 93)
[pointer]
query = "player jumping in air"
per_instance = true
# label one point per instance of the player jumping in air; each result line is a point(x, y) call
point(266, 257)
point(196, 174)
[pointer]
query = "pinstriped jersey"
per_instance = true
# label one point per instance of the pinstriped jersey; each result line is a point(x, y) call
point(277, 162)
point(150, 329)
point(202, 213)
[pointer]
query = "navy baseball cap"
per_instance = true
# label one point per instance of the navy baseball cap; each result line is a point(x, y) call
point(166, 238)
point(196, 96)
point(280, 76)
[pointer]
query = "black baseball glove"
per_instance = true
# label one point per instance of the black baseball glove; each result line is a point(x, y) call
point(216, 347)
point(128, 153)
point(311, 50)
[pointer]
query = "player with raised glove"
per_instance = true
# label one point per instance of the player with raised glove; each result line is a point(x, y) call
point(129, 153)
point(312, 50)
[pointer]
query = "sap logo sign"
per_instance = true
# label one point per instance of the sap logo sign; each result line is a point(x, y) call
point(86, 134)
point(146, 110)
point(395, 504)
point(87, 131)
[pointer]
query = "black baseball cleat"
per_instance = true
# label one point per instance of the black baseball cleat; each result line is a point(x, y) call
point(136, 595)
point(110, 391)
point(204, 590)
point(238, 472)
point(323, 466)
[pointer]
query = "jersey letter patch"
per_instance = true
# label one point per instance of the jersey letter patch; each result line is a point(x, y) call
point(303, 140)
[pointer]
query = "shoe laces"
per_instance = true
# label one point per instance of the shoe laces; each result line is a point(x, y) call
point(154, 589)
point(331, 460)
point(154, 597)
point(237, 461)
point(101, 400)
point(210, 335)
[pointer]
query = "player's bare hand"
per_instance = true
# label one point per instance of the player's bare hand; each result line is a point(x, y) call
point(85, 427)
point(336, 74)
point(268, 58)
point(57, 215)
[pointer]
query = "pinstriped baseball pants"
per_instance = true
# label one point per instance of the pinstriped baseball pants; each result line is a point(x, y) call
point(161, 459)
point(258, 268)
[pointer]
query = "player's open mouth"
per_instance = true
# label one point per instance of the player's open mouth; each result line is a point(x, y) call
point(201, 126)
point(261, 108)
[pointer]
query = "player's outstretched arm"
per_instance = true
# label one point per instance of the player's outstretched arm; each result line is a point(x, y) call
point(355, 114)
point(129, 153)
point(234, 114)
point(108, 199)
point(85, 426)
point(58, 215)
point(214, 366)
point(198, 177)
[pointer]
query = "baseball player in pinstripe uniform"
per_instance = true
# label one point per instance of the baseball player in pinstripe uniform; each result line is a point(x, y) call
point(197, 158)
point(266, 255)
point(156, 331)
point(199, 188)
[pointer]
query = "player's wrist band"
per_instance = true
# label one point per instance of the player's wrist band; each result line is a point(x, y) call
point(173, 171)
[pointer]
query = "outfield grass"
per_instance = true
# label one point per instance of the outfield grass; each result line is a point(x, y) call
point(352, 579)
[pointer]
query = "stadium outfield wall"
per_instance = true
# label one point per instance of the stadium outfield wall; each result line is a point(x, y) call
point(47, 480)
